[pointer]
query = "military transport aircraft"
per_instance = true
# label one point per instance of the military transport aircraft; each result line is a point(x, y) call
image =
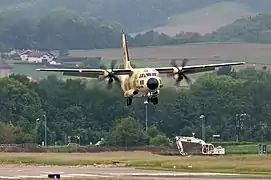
point(140, 82)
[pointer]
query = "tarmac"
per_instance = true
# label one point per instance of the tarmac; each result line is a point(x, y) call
point(91, 172)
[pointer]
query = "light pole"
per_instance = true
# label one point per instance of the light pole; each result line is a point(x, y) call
point(78, 137)
point(202, 117)
point(36, 129)
point(146, 114)
point(239, 125)
point(45, 129)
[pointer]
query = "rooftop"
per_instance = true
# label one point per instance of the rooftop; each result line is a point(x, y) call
point(38, 54)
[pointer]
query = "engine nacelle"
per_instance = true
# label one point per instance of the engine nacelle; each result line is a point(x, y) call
point(130, 93)
point(177, 76)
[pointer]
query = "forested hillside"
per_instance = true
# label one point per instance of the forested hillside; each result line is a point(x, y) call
point(133, 15)
point(62, 29)
point(256, 29)
point(77, 108)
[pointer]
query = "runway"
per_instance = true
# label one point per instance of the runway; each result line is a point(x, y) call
point(90, 172)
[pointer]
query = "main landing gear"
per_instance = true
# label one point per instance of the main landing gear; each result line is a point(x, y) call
point(129, 100)
point(153, 99)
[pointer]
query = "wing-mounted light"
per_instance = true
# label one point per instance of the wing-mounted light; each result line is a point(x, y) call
point(179, 73)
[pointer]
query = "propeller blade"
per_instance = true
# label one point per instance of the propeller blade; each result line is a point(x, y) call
point(188, 80)
point(103, 78)
point(113, 64)
point(116, 79)
point(185, 60)
point(173, 63)
point(177, 83)
point(109, 85)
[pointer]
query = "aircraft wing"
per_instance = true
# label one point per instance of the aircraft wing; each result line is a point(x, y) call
point(197, 68)
point(92, 73)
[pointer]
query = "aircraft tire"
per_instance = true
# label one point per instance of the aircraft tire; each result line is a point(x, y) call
point(155, 100)
point(129, 101)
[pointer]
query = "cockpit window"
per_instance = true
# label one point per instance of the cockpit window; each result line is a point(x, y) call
point(142, 75)
point(153, 74)
point(148, 74)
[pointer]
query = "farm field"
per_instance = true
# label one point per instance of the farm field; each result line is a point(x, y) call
point(229, 164)
point(200, 53)
point(205, 20)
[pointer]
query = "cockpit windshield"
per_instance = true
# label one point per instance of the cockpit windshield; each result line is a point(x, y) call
point(142, 75)
point(146, 74)
point(151, 74)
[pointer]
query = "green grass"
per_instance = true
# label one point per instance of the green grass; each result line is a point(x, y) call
point(30, 70)
point(251, 164)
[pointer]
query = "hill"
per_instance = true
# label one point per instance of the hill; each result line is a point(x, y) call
point(251, 29)
point(133, 15)
point(207, 19)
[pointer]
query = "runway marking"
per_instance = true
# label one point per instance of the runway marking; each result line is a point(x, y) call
point(90, 175)
point(51, 172)
point(173, 174)
point(61, 176)
point(8, 177)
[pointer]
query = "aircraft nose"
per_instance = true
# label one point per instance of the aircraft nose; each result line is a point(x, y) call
point(152, 83)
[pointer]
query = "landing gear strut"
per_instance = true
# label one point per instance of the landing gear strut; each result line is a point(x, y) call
point(129, 101)
point(153, 99)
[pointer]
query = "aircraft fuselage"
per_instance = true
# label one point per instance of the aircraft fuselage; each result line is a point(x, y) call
point(141, 83)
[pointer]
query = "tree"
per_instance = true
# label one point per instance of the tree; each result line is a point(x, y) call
point(127, 132)
point(21, 106)
point(9, 133)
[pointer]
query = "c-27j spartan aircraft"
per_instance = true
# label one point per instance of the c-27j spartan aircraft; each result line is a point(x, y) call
point(140, 82)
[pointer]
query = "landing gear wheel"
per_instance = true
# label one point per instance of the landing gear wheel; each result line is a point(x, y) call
point(154, 100)
point(129, 101)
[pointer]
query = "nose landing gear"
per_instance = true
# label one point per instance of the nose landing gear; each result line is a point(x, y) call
point(153, 98)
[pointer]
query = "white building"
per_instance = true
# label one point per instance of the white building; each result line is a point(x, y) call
point(36, 56)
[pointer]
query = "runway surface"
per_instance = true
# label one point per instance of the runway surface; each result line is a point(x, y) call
point(90, 172)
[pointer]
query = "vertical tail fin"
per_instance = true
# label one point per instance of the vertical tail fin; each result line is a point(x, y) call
point(126, 60)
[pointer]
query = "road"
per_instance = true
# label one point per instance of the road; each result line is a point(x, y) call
point(90, 172)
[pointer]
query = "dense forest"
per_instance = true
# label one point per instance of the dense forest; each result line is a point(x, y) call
point(232, 103)
point(256, 29)
point(133, 15)
point(63, 29)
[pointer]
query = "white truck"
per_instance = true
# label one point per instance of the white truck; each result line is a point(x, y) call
point(205, 148)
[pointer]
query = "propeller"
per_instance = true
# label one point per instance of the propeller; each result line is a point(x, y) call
point(110, 74)
point(181, 74)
